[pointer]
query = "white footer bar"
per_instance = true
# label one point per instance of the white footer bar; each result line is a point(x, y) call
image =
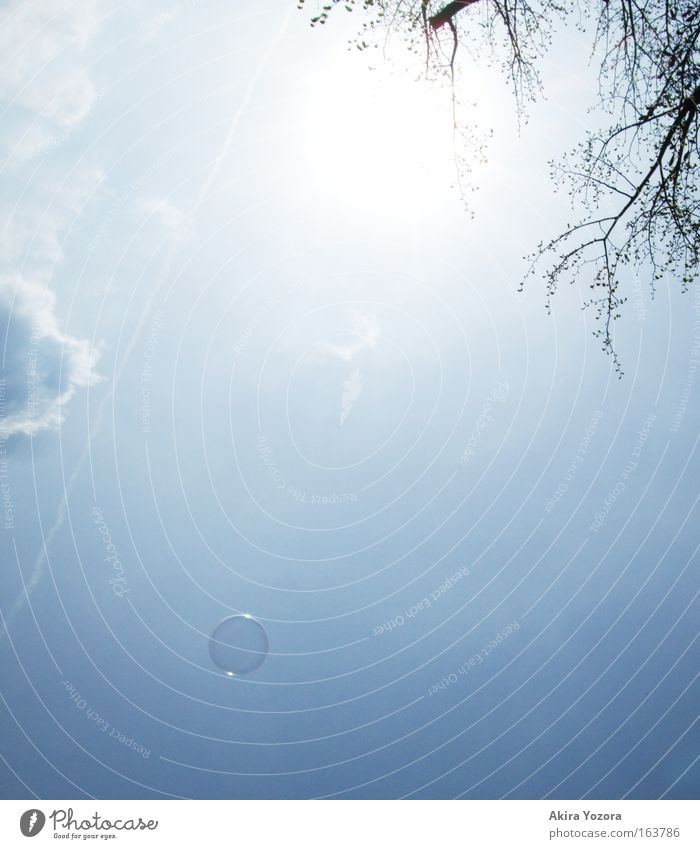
point(352, 824)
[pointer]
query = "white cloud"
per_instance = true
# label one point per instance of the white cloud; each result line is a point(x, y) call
point(168, 216)
point(150, 28)
point(352, 389)
point(40, 367)
point(363, 334)
point(46, 85)
point(32, 235)
point(43, 75)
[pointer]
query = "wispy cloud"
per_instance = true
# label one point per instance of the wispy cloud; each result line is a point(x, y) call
point(32, 236)
point(40, 367)
point(44, 79)
point(352, 389)
point(363, 334)
point(163, 278)
point(168, 216)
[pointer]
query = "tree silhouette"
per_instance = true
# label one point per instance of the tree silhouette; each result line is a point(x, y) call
point(633, 183)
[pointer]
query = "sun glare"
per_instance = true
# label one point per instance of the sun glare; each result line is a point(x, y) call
point(380, 138)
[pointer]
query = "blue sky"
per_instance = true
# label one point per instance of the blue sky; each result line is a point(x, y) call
point(258, 358)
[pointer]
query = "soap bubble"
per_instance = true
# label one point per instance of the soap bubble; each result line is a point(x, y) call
point(239, 644)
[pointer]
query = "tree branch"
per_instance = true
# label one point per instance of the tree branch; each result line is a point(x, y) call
point(448, 12)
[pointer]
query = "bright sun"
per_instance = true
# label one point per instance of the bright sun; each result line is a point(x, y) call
point(380, 137)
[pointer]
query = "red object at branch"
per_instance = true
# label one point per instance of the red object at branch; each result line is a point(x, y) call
point(448, 12)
